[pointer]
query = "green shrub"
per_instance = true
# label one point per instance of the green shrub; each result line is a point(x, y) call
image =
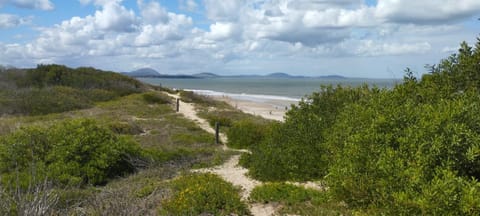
point(99, 95)
point(203, 194)
point(396, 151)
point(191, 97)
point(296, 149)
point(156, 98)
point(56, 88)
point(129, 128)
point(246, 133)
point(49, 100)
point(287, 194)
point(73, 152)
point(410, 150)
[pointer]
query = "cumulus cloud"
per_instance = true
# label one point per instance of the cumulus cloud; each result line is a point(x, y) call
point(30, 4)
point(224, 10)
point(115, 17)
point(426, 11)
point(189, 5)
point(372, 48)
point(159, 25)
point(247, 32)
point(10, 20)
point(222, 31)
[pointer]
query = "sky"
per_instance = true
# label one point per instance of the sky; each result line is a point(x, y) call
point(354, 38)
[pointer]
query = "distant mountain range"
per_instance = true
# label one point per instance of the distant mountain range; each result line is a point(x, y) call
point(149, 72)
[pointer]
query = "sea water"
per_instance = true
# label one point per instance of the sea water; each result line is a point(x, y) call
point(259, 89)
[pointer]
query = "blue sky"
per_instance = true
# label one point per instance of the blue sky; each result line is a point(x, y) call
point(355, 38)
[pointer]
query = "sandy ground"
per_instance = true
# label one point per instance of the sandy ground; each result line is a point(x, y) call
point(237, 175)
point(269, 109)
point(230, 170)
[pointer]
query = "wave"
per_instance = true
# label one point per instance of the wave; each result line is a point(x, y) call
point(244, 96)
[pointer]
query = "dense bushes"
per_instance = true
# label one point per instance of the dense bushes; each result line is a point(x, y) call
point(73, 152)
point(413, 149)
point(47, 100)
point(200, 194)
point(295, 150)
point(80, 78)
point(287, 194)
point(156, 98)
point(55, 88)
point(390, 155)
point(246, 133)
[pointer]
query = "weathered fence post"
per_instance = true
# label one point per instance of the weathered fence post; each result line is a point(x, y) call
point(178, 104)
point(217, 130)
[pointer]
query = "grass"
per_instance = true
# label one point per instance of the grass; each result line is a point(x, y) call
point(297, 200)
point(176, 143)
point(196, 194)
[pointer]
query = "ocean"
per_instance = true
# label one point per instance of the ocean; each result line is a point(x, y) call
point(263, 88)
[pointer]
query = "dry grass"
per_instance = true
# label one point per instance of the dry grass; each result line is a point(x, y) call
point(38, 199)
point(154, 126)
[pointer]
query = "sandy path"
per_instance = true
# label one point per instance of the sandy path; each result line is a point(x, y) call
point(273, 109)
point(230, 171)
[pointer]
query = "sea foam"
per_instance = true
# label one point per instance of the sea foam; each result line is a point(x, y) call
point(243, 96)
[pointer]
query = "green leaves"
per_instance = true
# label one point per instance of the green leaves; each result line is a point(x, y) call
point(73, 152)
point(198, 194)
point(414, 149)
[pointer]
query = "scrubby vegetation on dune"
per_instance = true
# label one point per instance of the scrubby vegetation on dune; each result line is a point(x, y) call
point(76, 152)
point(92, 142)
point(56, 88)
point(413, 149)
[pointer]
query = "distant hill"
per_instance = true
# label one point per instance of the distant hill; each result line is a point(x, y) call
point(282, 75)
point(143, 72)
point(149, 72)
point(206, 75)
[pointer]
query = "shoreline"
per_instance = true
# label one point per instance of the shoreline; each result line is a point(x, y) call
point(268, 109)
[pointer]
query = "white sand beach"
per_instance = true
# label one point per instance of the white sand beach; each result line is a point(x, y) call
point(268, 108)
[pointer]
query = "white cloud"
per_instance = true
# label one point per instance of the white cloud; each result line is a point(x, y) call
point(236, 35)
point(372, 48)
point(9, 20)
point(30, 4)
point(224, 10)
point(153, 12)
point(115, 17)
point(160, 26)
point(189, 5)
point(362, 17)
point(222, 31)
point(426, 11)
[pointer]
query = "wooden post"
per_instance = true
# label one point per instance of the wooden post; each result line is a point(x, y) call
point(217, 130)
point(178, 104)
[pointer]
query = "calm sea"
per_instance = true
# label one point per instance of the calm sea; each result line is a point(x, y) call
point(266, 88)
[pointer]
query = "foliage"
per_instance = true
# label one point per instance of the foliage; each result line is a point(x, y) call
point(72, 152)
point(37, 199)
point(410, 150)
point(130, 128)
point(47, 100)
point(246, 133)
point(56, 88)
point(191, 97)
point(285, 193)
point(295, 150)
point(156, 98)
point(203, 194)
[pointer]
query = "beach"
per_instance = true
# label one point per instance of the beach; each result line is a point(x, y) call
point(273, 109)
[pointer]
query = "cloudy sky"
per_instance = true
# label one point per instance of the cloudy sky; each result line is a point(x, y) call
point(356, 38)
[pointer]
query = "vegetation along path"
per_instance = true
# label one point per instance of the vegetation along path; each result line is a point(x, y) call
point(230, 170)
